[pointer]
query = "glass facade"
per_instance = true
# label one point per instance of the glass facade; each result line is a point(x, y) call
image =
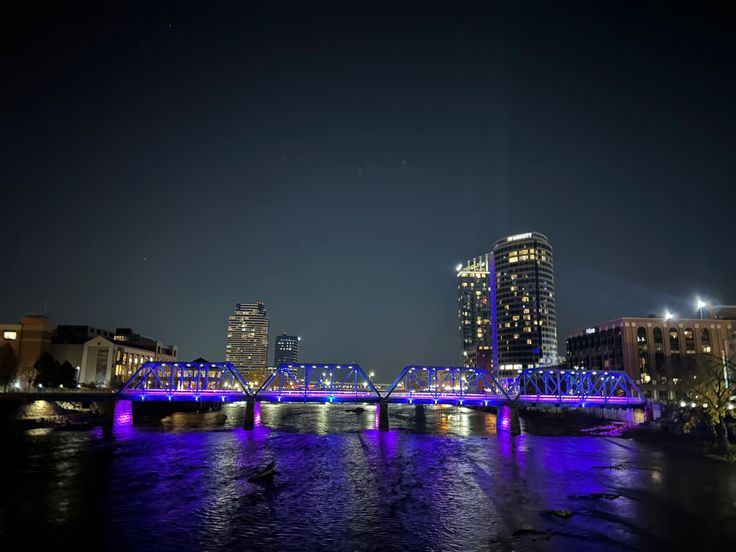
point(474, 310)
point(524, 296)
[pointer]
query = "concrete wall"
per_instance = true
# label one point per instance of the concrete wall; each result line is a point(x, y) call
point(35, 338)
point(629, 415)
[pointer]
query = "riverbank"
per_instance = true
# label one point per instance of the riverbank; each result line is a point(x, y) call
point(697, 444)
point(43, 415)
point(569, 424)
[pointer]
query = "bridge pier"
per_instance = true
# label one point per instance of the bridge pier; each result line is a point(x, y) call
point(382, 415)
point(116, 413)
point(252, 414)
point(508, 419)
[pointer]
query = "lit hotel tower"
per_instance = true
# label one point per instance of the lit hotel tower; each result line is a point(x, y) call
point(474, 311)
point(247, 340)
point(524, 295)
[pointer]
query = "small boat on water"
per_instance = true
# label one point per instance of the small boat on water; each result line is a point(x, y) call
point(265, 473)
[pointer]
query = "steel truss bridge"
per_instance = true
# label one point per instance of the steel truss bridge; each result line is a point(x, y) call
point(328, 383)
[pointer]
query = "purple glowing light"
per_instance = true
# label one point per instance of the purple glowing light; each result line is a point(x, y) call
point(123, 414)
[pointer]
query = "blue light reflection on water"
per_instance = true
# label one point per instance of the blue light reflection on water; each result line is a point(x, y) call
point(443, 479)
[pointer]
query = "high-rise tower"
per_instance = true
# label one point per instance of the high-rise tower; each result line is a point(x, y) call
point(523, 292)
point(474, 310)
point(247, 341)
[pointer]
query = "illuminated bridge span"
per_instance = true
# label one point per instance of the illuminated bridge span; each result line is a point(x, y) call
point(338, 383)
point(186, 381)
point(221, 382)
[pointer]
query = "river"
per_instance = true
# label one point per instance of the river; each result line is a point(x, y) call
point(441, 479)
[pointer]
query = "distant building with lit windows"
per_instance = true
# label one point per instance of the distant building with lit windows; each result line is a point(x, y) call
point(286, 349)
point(655, 352)
point(247, 341)
point(474, 311)
point(103, 357)
point(523, 293)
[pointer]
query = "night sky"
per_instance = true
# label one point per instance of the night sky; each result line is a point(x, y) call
point(161, 163)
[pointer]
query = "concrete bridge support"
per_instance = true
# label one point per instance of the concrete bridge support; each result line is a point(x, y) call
point(252, 414)
point(116, 413)
point(382, 416)
point(508, 419)
point(420, 418)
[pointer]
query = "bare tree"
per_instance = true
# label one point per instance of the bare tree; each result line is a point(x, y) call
point(709, 386)
point(28, 373)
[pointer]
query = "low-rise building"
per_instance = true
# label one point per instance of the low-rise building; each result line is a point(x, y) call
point(655, 352)
point(103, 357)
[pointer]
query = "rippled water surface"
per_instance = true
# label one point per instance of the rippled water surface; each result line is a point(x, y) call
point(441, 479)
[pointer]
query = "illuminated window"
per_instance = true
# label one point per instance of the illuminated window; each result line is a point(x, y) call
point(689, 341)
point(705, 341)
point(10, 335)
point(658, 342)
point(674, 341)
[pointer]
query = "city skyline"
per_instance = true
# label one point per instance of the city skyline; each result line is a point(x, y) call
point(401, 150)
point(314, 275)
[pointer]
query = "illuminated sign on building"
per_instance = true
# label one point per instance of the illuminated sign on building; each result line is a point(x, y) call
point(590, 331)
point(519, 237)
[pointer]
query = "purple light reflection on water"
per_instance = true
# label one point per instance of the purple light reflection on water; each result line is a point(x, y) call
point(504, 418)
point(457, 485)
point(123, 414)
point(257, 413)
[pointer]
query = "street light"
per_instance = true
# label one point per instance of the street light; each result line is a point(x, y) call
point(701, 305)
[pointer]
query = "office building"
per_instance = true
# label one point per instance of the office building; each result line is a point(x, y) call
point(523, 293)
point(286, 349)
point(655, 352)
point(474, 311)
point(247, 341)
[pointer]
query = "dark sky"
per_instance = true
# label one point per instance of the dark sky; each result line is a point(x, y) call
point(161, 163)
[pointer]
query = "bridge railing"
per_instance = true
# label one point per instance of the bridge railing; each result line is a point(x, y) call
point(318, 382)
point(583, 387)
point(440, 384)
point(187, 380)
